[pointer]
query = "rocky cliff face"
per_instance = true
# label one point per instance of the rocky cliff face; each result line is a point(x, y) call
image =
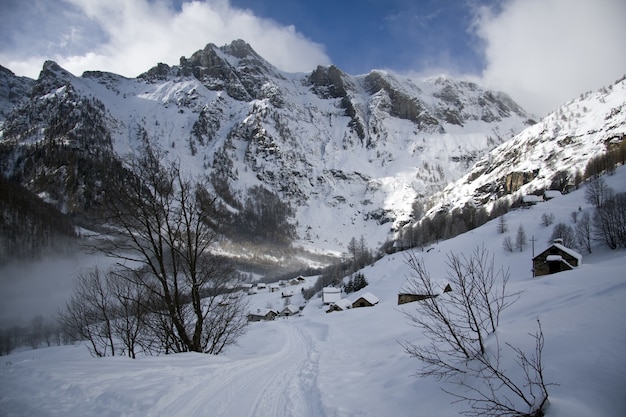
point(334, 146)
point(554, 151)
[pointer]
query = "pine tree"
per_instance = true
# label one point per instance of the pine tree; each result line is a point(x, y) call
point(520, 239)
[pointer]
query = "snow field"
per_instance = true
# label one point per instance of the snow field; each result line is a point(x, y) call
point(348, 364)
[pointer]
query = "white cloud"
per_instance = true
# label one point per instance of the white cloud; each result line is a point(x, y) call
point(135, 35)
point(546, 52)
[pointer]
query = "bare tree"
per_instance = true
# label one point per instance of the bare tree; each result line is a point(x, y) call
point(497, 393)
point(609, 221)
point(547, 219)
point(565, 232)
point(597, 192)
point(457, 324)
point(507, 244)
point(166, 225)
point(130, 311)
point(88, 313)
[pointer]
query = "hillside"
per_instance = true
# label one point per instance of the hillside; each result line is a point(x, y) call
point(552, 154)
point(350, 363)
point(331, 145)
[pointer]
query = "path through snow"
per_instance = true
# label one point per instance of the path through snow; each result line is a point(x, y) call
point(282, 382)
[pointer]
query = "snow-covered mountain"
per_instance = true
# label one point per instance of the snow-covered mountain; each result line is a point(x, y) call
point(335, 146)
point(557, 148)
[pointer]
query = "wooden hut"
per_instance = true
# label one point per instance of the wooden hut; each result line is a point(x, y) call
point(438, 289)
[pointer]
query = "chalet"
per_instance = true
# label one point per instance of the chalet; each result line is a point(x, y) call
point(556, 258)
point(297, 280)
point(438, 289)
point(341, 305)
point(289, 310)
point(274, 287)
point(365, 300)
point(260, 286)
point(286, 293)
point(262, 314)
point(531, 200)
point(330, 295)
point(550, 194)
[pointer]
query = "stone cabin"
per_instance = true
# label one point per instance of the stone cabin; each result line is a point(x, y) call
point(365, 300)
point(556, 258)
point(289, 310)
point(341, 305)
point(262, 315)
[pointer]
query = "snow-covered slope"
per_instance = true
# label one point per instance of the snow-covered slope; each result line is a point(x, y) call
point(350, 363)
point(359, 148)
point(562, 143)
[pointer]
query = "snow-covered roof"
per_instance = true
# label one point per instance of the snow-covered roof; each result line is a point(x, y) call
point(263, 312)
point(369, 297)
point(569, 251)
point(331, 295)
point(290, 308)
point(343, 304)
point(531, 198)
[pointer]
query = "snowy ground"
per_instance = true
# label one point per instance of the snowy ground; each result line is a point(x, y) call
point(350, 363)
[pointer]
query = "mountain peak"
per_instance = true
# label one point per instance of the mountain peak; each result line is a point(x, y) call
point(51, 77)
point(240, 49)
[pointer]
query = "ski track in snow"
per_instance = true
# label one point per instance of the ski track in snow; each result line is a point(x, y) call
point(281, 383)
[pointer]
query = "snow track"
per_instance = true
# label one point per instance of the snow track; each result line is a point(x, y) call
point(282, 382)
point(279, 384)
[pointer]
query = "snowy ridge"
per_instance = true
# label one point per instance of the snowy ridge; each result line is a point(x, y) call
point(360, 148)
point(350, 363)
point(564, 141)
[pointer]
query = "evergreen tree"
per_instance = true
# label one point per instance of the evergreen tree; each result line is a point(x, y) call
point(520, 239)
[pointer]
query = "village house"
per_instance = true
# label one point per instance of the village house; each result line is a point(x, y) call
point(365, 300)
point(297, 280)
point(550, 194)
point(262, 314)
point(340, 305)
point(274, 287)
point(289, 310)
point(556, 258)
point(531, 200)
point(409, 297)
point(330, 295)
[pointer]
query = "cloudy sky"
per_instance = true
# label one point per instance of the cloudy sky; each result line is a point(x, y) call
point(541, 52)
